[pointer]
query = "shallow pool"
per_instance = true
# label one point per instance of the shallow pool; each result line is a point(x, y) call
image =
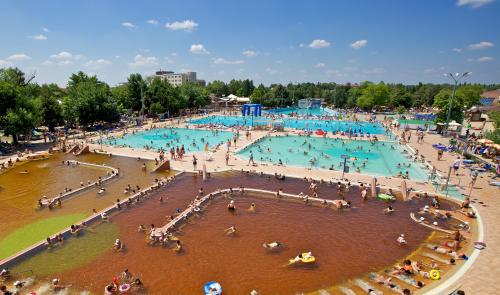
point(309, 124)
point(239, 262)
point(380, 158)
point(193, 140)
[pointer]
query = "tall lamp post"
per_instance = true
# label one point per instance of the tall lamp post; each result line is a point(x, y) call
point(456, 78)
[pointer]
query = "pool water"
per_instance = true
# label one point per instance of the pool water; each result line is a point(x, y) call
point(193, 139)
point(299, 150)
point(303, 124)
point(240, 263)
point(302, 112)
point(22, 224)
point(416, 122)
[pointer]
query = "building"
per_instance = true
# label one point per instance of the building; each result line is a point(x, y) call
point(177, 79)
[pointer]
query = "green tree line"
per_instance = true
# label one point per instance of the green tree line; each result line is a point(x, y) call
point(86, 101)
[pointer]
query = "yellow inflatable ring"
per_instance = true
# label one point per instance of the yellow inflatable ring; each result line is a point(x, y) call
point(434, 274)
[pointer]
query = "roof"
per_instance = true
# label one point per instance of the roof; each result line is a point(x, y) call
point(490, 98)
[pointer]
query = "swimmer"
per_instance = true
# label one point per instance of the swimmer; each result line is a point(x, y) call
point(388, 210)
point(118, 245)
point(178, 246)
point(252, 208)
point(56, 286)
point(141, 228)
point(272, 245)
point(231, 206)
point(364, 193)
point(230, 230)
point(5, 274)
point(101, 191)
point(401, 240)
point(104, 216)
point(126, 276)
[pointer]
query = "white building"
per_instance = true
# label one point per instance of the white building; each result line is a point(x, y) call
point(177, 79)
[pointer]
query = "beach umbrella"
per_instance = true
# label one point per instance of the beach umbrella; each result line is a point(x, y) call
point(404, 189)
point(374, 187)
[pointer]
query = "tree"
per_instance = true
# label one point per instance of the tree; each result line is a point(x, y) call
point(442, 101)
point(374, 95)
point(136, 89)
point(471, 94)
point(50, 102)
point(122, 97)
point(259, 94)
point(162, 92)
point(218, 88)
point(89, 101)
point(495, 134)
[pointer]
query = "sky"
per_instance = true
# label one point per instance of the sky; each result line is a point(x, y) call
point(268, 41)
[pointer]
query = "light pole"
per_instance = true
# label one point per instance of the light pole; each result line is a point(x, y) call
point(456, 78)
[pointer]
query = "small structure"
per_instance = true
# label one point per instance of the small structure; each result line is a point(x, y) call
point(252, 109)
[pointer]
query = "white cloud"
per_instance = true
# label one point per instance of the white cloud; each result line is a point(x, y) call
point(198, 49)
point(45, 30)
point(485, 58)
point(186, 25)
point(301, 45)
point(152, 21)
point(128, 25)
point(222, 61)
point(62, 55)
point(40, 37)
point(319, 43)
point(457, 50)
point(470, 59)
point(249, 53)
point(320, 65)
point(144, 61)
point(473, 3)
point(271, 71)
point(359, 44)
point(18, 57)
point(47, 63)
point(64, 63)
point(168, 60)
point(4, 63)
point(480, 45)
point(97, 64)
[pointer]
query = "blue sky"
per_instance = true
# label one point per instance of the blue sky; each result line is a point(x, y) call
point(269, 41)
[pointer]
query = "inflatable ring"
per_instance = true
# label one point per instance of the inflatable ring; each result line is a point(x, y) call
point(434, 274)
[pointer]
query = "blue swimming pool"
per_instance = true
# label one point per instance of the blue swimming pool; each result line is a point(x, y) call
point(193, 139)
point(302, 112)
point(379, 158)
point(302, 124)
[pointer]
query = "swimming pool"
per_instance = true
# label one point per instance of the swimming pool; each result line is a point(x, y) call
point(238, 262)
point(193, 139)
point(302, 112)
point(310, 124)
point(380, 158)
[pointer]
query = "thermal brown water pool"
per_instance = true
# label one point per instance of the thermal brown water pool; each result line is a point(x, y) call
point(20, 192)
point(346, 243)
